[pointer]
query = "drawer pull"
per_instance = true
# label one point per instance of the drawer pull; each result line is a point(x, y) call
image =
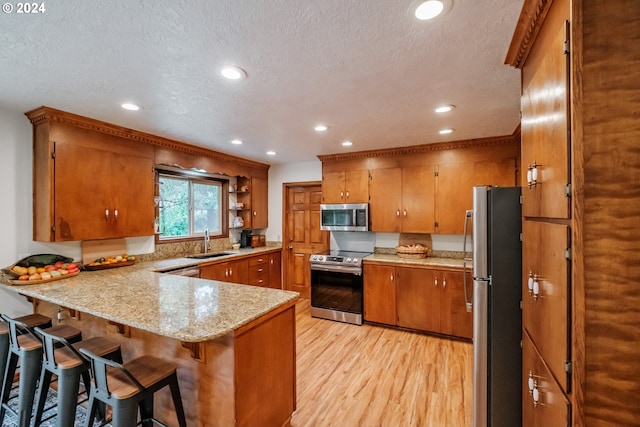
point(260, 270)
point(535, 393)
point(531, 382)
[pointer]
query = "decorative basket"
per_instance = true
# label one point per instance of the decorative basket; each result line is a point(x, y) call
point(412, 251)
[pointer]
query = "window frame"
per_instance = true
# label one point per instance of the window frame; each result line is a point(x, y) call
point(191, 179)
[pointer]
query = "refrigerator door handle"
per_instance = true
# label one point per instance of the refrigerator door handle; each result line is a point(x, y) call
point(468, 303)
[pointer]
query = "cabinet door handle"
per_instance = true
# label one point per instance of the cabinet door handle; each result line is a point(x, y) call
point(391, 277)
point(405, 213)
point(398, 212)
point(106, 213)
point(341, 194)
point(226, 272)
point(347, 194)
point(533, 285)
point(444, 283)
point(115, 214)
point(255, 213)
point(230, 271)
point(436, 282)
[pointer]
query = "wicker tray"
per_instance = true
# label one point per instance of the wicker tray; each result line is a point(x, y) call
point(39, 260)
point(412, 251)
point(107, 266)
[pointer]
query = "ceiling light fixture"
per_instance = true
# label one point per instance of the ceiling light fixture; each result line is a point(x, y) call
point(446, 131)
point(347, 143)
point(321, 128)
point(271, 153)
point(429, 9)
point(232, 72)
point(236, 142)
point(131, 106)
point(444, 108)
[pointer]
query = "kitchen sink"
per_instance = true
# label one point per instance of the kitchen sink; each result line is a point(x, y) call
point(211, 255)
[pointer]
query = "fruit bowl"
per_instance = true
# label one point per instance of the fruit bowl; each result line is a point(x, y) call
point(110, 262)
point(41, 268)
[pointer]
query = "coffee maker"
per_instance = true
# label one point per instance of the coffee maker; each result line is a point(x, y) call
point(245, 238)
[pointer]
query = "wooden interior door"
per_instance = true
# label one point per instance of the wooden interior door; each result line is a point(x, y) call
point(302, 235)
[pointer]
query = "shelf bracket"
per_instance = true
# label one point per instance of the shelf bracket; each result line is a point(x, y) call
point(196, 350)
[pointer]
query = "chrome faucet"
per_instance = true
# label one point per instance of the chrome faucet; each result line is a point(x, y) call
point(206, 240)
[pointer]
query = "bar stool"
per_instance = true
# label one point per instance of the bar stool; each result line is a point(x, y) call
point(131, 386)
point(26, 348)
point(69, 366)
point(31, 320)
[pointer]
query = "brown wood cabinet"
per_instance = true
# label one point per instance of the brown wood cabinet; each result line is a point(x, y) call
point(275, 270)
point(236, 271)
point(99, 194)
point(351, 186)
point(422, 298)
point(402, 199)
point(380, 294)
point(263, 270)
point(543, 402)
point(454, 184)
point(255, 213)
point(546, 229)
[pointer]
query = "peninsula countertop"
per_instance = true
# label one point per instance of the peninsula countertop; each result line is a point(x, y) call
point(183, 308)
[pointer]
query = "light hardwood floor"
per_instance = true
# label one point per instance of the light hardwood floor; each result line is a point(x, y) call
point(351, 375)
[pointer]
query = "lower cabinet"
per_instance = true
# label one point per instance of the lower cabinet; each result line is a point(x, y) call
point(258, 270)
point(229, 271)
point(421, 298)
point(543, 402)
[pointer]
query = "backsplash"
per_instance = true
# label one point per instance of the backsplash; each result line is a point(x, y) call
point(180, 249)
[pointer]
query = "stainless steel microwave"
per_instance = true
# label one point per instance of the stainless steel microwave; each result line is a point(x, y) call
point(347, 217)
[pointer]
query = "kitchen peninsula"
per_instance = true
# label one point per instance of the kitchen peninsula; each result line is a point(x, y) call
point(234, 345)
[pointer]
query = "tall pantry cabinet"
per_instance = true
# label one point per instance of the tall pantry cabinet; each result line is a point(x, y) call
point(580, 168)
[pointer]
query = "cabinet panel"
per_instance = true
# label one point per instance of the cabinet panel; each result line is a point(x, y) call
point(380, 294)
point(333, 187)
point(418, 204)
point(356, 188)
point(418, 299)
point(386, 200)
point(545, 134)
point(215, 272)
point(543, 402)
point(454, 318)
point(275, 270)
point(259, 203)
point(545, 316)
point(100, 194)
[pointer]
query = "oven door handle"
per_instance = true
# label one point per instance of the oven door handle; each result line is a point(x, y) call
point(356, 271)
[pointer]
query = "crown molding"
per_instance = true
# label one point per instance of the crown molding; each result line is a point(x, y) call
point(529, 23)
point(426, 148)
point(47, 114)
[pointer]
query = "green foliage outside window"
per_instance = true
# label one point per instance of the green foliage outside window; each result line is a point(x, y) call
point(188, 207)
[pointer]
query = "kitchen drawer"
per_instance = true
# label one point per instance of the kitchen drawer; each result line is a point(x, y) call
point(259, 275)
point(259, 260)
point(543, 402)
point(545, 308)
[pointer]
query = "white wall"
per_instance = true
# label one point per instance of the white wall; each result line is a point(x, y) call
point(15, 187)
point(279, 174)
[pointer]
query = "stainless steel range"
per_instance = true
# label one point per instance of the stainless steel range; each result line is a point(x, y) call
point(337, 286)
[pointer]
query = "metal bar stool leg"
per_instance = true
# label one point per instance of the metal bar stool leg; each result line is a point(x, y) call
point(9, 372)
point(43, 389)
point(125, 413)
point(30, 363)
point(177, 400)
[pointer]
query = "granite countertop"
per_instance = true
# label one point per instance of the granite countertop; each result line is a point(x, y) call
point(183, 308)
point(425, 262)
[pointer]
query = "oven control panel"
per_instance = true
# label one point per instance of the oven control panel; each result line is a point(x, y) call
point(335, 259)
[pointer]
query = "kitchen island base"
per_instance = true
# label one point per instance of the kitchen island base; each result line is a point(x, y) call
point(244, 378)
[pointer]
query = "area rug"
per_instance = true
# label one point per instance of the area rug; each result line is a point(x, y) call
point(81, 413)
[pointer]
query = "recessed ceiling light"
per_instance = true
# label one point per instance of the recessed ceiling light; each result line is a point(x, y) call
point(232, 72)
point(429, 9)
point(131, 107)
point(321, 128)
point(445, 131)
point(271, 153)
point(236, 142)
point(347, 143)
point(444, 108)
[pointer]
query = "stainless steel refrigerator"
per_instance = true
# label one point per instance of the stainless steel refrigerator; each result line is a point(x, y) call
point(495, 301)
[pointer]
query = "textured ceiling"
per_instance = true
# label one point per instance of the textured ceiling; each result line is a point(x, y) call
point(367, 68)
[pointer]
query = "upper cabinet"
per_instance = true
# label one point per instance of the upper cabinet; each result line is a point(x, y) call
point(545, 130)
point(96, 180)
point(255, 202)
point(402, 199)
point(351, 186)
point(421, 189)
point(90, 185)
